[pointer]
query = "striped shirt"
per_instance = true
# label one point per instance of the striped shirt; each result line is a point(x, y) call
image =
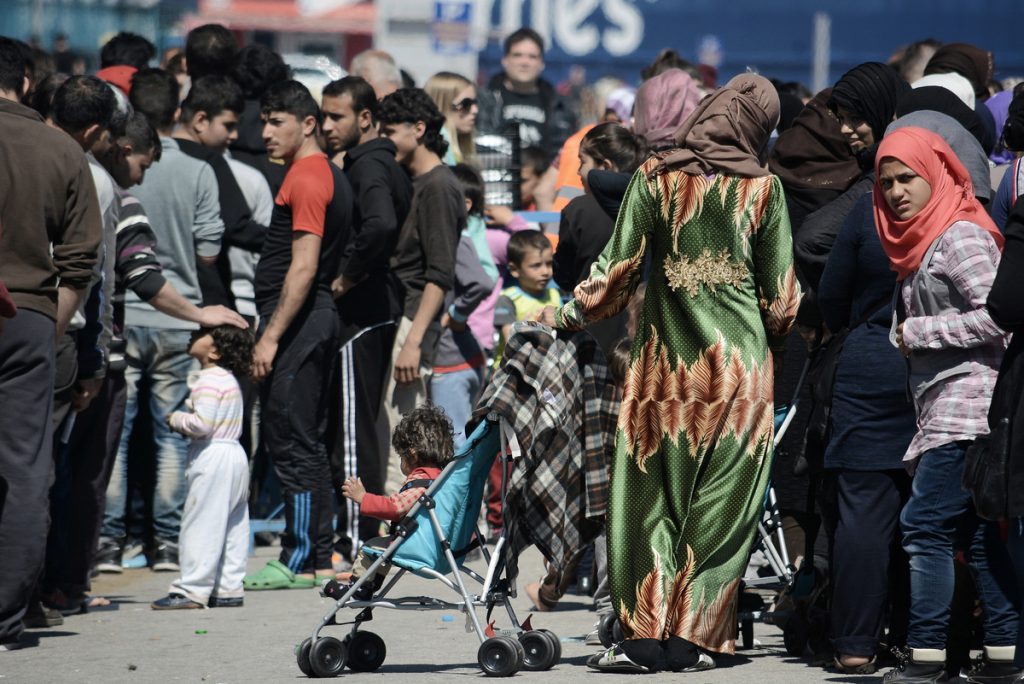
point(956, 408)
point(215, 407)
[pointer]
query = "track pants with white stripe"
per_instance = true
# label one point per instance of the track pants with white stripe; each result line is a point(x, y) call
point(358, 447)
point(293, 426)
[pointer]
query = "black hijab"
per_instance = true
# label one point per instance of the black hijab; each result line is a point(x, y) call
point(942, 100)
point(871, 90)
point(971, 62)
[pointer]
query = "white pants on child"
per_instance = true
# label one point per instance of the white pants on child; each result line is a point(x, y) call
point(214, 542)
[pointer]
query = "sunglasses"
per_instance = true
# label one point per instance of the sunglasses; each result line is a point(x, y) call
point(464, 105)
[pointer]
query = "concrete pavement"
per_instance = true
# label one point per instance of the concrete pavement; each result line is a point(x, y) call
point(133, 643)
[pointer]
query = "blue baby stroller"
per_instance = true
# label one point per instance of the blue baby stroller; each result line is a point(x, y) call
point(432, 541)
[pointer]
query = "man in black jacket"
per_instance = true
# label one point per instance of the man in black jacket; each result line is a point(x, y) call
point(369, 297)
point(520, 97)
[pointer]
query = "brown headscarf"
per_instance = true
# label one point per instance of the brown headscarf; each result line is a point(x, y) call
point(662, 105)
point(813, 153)
point(728, 130)
point(971, 62)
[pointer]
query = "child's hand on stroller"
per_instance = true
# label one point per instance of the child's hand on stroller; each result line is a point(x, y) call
point(353, 489)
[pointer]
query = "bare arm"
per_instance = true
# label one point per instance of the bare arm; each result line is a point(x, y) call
point(68, 301)
point(297, 282)
point(407, 365)
point(169, 301)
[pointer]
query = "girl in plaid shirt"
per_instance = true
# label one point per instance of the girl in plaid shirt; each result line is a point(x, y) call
point(424, 440)
point(945, 250)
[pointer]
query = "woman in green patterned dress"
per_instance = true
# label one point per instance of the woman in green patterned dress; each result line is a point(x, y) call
point(694, 437)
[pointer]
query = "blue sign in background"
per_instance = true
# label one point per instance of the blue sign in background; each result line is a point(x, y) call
point(774, 37)
point(450, 28)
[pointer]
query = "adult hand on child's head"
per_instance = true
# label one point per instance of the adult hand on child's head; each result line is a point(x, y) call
point(213, 316)
point(498, 216)
point(353, 489)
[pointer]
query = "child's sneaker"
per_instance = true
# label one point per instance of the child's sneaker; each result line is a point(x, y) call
point(176, 602)
point(134, 556)
point(615, 660)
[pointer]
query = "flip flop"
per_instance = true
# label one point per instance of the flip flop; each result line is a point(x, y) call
point(275, 575)
point(838, 667)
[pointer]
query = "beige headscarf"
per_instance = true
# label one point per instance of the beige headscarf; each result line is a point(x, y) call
point(728, 130)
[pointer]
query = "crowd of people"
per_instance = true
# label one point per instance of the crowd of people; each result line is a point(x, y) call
point(205, 270)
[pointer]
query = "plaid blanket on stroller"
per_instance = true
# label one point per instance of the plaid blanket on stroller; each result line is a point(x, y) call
point(559, 398)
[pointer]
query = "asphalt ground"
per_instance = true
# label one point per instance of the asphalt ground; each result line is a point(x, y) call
point(133, 643)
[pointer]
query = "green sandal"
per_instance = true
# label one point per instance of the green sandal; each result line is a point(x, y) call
point(275, 575)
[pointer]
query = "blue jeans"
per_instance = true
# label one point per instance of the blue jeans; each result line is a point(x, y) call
point(938, 515)
point(1015, 545)
point(455, 392)
point(161, 357)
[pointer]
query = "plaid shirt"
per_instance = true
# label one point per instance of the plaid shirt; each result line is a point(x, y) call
point(956, 408)
point(560, 400)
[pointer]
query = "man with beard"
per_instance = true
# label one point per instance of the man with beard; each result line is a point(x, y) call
point(369, 297)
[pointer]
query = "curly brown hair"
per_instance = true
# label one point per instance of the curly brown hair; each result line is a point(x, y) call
point(425, 435)
point(234, 346)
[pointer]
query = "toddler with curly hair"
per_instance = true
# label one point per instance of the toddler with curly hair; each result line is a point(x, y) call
point(214, 541)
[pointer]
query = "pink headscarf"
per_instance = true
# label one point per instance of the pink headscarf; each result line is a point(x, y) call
point(662, 105)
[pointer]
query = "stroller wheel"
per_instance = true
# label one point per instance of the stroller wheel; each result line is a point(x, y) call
point(500, 656)
point(609, 630)
point(327, 657)
point(302, 657)
point(555, 642)
point(366, 652)
point(539, 651)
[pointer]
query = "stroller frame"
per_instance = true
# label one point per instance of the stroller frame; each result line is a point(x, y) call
point(501, 653)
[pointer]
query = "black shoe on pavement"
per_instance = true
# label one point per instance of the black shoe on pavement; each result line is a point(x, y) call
point(165, 557)
point(227, 602)
point(909, 672)
point(988, 671)
point(109, 555)
point(175, 602)
point(39, 616)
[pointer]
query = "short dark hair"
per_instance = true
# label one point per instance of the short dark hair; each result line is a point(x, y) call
point(257, 67)
point(525, 33)
point(426, 434)
point(411, 105)
point(210, 49)
point(290, 97)
point(359, 89)
point(613, 142)
point(14, 65)
point(618, 360)
point(42, 94)
point(83, 101)
point(213, 95)
point(472, 187)
point(234, 345)
point(128, 49)
point(141, 135)
point(155, 94)
point(523, 241)
point(534, 157)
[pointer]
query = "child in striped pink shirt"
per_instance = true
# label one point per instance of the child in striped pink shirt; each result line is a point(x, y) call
point(214, 541)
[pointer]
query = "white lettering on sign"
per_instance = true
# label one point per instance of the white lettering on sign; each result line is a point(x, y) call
point(568, 23)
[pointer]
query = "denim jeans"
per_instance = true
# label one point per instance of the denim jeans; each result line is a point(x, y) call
point(161, 357)
point(1015, 545)
point(455, 392)
point(938, 515)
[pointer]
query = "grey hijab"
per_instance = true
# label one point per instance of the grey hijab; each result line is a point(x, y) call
point(964, 144)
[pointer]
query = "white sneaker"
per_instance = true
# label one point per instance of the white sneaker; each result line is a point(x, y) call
point(615, 660)
point(704, 662)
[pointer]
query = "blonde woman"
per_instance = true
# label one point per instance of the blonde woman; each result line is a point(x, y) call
point(455, 96)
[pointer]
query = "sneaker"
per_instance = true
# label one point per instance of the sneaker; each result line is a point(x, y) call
point(704, 662)
point(109, 555)
point(165, 557)
point(615, 660)
point(593, 638)
point(134, 556)
point(13, 644)
point(176, 602)
point(39, 616)
point(987, 671)
point(909, 672)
